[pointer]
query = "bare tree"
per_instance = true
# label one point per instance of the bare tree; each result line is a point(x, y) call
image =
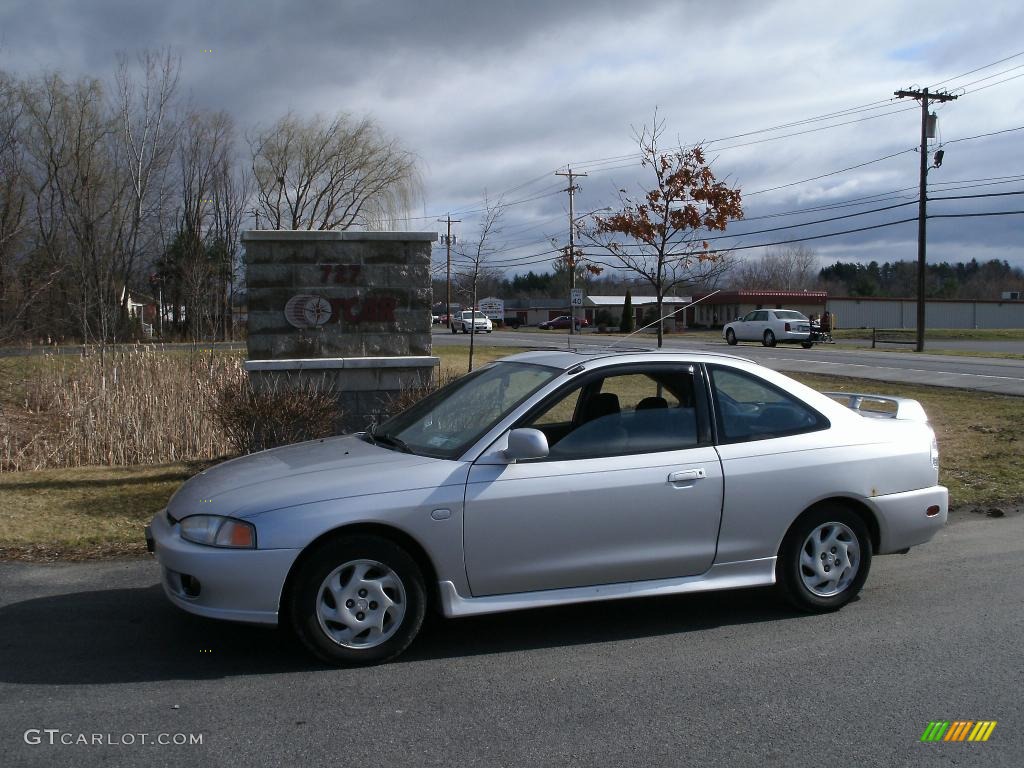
point(337, 174)
point(148, 135)
point(472, 256)
point(232, 190)
point(13, 199)
point(793, 268)
point(81, 195)
point(659, 235)
point(204, 154)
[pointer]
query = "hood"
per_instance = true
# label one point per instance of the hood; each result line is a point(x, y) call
point(332, 468)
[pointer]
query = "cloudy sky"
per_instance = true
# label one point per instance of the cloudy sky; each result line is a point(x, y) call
point(494, 97)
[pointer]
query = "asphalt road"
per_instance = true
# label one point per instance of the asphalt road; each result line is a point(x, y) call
point(728, 679)
point(1004, 376)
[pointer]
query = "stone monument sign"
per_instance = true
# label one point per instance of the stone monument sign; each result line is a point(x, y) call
point(345, 310)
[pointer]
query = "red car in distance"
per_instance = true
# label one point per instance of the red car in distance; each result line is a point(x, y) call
point(562, 322)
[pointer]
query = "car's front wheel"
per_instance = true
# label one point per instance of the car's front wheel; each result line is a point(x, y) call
point(730, 337)
point(806, 344)
point(769, 339)
point(824, 559)
point(358, 600)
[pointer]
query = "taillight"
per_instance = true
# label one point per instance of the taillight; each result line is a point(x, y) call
point(787, 327)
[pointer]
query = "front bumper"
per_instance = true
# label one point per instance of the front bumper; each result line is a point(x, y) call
point(219, 583)
point(903, 518)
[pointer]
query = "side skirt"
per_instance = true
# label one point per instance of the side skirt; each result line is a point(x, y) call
point(745, 573)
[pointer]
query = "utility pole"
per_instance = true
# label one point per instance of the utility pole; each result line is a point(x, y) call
point(448, 278)
point(571, 258)
point(922, 209)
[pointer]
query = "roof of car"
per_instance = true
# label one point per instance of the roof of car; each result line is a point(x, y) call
point(567, 358)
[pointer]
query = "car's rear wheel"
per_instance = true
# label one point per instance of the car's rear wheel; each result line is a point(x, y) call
point(769, 339)
point(358, 600)
point(806, 344)
point(730, 337)
point(824, 559)
point(453, 328)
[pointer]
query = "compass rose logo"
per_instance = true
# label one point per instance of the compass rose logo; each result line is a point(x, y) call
point(307, 311)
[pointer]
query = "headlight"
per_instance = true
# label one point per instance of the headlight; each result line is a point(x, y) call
point(217, 531)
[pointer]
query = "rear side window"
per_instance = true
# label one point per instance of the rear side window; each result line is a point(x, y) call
point(749, 408)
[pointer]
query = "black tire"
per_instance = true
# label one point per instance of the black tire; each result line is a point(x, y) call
point(305, 594)
point(792, 577)
point(453, 328)
point(464, 328)
point(488, 331)
point(806, 344)
point(769, 339)
point(730, 337)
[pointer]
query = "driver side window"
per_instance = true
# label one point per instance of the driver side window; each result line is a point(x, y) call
point(628, 413)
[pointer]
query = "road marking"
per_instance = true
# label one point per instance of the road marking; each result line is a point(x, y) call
point(891, 368)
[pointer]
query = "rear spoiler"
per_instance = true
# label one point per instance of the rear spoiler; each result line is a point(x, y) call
point(905, 408)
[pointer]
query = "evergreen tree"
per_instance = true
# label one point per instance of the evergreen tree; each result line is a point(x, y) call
point(626, 324)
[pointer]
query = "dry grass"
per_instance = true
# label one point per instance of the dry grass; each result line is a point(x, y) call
point(127, 407)
point(256, 418)
point(83, 513)
point(455, 360)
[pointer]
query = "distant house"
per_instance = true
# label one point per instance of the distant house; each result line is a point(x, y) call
point(644, 308)
point(714, 310)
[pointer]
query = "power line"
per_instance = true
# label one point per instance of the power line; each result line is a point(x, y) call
point(968, 197)
point(972, 215)
point(993, 85)
point(983, 135)
point(800, 239)
point(979, 69)
point(965, 86)
point(830, 173)
point(811, 223)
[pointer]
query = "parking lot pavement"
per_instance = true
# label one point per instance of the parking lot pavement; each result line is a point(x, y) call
point(727, 679)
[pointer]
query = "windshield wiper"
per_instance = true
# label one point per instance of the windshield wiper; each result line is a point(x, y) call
point(381, 438)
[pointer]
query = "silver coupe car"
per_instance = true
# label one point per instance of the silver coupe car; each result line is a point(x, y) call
point(550, 478)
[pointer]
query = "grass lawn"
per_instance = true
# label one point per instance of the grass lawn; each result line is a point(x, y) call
point(74, 514)
point(97, 512)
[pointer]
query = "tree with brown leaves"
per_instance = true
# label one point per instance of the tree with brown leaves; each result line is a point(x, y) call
point(658, 236)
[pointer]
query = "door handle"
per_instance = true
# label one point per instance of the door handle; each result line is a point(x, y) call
point(687, 474)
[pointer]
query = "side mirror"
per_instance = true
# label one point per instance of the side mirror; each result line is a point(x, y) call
point(526, 444)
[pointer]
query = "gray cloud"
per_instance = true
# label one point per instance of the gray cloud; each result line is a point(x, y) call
point(493, 95)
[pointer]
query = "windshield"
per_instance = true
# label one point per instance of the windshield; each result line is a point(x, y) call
point(789, 314)
point(449, 421)
point(474, 315)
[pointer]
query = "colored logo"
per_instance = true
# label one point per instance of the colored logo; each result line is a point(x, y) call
point(958, 730)
point(306, 311)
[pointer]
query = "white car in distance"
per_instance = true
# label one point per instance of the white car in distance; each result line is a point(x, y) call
point(470, 321)
point(770, 327)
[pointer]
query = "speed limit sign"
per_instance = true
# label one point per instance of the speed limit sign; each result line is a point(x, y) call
point(576, 297)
